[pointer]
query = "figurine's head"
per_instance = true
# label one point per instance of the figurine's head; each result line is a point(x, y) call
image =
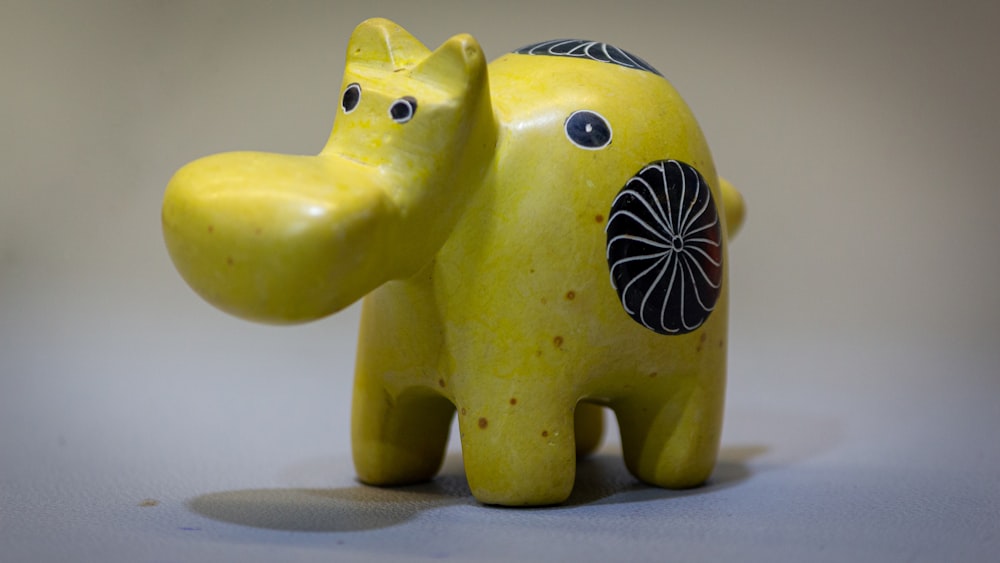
point(283, 238)
point(398, 97)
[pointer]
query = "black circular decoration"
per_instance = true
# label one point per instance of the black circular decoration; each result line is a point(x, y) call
point(402, 110)
point(584, 49)
point(588, 129)
point(352, 95)
point(665, 248)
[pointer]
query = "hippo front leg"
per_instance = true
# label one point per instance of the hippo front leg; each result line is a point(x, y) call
point(398, 440)
point(518, 442)
point(401, 415)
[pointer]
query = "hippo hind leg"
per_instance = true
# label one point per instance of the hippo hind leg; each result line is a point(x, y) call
point(670, 439)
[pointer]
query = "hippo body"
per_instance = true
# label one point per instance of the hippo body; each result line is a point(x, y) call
point(533, 239)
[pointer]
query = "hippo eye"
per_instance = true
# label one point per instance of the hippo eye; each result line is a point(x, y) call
point(402, 110)
point(588, 130)
point(352, 95)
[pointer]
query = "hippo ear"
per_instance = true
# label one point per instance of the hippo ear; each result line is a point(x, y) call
point(455, 65)
point(382, 43)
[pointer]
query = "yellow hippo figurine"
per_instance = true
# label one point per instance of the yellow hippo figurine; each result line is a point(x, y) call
point(533, 239)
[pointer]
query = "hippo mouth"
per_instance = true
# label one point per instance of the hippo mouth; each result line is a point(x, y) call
point(278, 238)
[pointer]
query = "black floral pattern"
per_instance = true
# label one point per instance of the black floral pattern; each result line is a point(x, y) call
point(665, 248)
point(583, 49)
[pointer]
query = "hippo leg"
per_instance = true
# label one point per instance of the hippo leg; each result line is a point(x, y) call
point(518, 449)
point(400, 419)
point(401, 440)
point(589, 423)
point(670, 437)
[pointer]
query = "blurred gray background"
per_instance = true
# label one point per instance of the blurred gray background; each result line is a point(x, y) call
point(865, 318)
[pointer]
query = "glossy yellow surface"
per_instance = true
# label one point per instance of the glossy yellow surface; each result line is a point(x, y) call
point(475, 231)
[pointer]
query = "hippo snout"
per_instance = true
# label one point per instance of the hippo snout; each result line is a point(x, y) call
point(277, 238)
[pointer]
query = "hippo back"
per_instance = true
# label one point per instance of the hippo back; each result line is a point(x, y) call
point(534, 246)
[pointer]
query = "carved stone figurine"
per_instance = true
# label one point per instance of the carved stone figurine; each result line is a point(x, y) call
point(533, 239)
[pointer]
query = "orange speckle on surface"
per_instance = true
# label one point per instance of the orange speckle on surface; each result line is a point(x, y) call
point(483, 423)
point(653, 374)
point(599, 218)
point(211, 228)
point(513, 400)
point(570, 295)
point(229, 260)
point(441, 382)
point(558, 341)
point(544, 301)
point(146, 502)
point(462, 411)
point(545, 433)
point(257, 231)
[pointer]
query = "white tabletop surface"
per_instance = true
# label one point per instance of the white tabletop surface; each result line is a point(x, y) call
point(139, 424)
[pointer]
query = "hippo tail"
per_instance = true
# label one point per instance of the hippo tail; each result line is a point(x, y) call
point(735, 209)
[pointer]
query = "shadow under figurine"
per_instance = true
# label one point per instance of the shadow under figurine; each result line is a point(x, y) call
point(533, 239)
